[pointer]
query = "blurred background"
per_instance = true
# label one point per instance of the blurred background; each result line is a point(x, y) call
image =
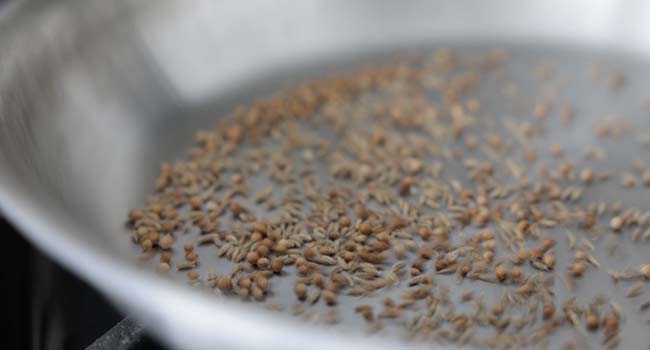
point(45, 307)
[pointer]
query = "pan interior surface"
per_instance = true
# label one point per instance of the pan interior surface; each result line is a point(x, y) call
point(86, 125)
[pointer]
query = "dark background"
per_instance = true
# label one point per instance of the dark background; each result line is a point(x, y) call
point(44, 306)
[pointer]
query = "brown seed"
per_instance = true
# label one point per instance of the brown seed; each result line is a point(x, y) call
point(549, 260)
point(262, 282)
point(224, 284)
point(252, 257)
point(548, 243)
point(488, 256)
point(256, 236)
point(362, 212)
point(166, 242)
point(163, 267)
point(556, 150)
point(193, 275)
point(645, 177)
point(277, 265)
point(616, 223)
point(501, 272)
point(489, 244)
point(188, 247)
point(365, 228)
point(548, 310)
point(281, 247)
point(592, 320)
point(196, 202)
point(258, 293)
point(245, 283)
point(497, 309)
point(259, 227)
point(536, 254)
point(645, 270)
point(329, 297)
point(345, 221)
point(135, 215)
point(310, 252)
point(424, 233)
point(263, 263)
point(611, 323)
point(147, 244)
point(166, 256)
point(191, 256)
point(300, 289)
point(333, 287)
point(487, 235)
point(587, 176)
point(578, 268)
point(244, 293)
point(425, 252)
point(579, 255)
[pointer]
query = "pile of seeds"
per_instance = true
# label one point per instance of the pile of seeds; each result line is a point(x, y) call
point(349, 188)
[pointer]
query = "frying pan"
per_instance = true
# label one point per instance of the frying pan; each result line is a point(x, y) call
point(95, 94)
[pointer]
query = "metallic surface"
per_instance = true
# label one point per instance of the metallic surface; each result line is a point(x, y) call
point(94, 94)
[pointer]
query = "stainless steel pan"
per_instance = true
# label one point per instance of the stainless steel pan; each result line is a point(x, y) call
point(95, 93)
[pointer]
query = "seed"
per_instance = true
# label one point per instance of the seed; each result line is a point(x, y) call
point(361, 212)
point(616, 223)
point(488, 256)
point(166, 242)
point(147, 244)
point(611, 323)
point(252, 257)
point(587, 176)
point(281, 247)
point(489, 244)
point(224, 284)
point(329, 297)
point(276, 265)
point(424, 233)
point(645, 270)
point(300, 289)
point(497, 309)
point(365, 228)
point(196, 202)
point(345, 221)
point(487, 235)
point(536, 254)
point(256, 236)
point(188, 247)
point(556, 150)
point(244, 293)
point(645, 177)
point(191, 256)
point(258, 294)
point(501, 272)
point(579, 255)
point(517, 273)
point(193, 275)
point(549, 260)
point(310, 252)
point(578, 268)
point(135, 215)
point(166, 256)
point(425, 253)
point(634, 290)
point(548, 243)
point(263, 263)
point(163, 267)
point(592, 321)
point(548, 310)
